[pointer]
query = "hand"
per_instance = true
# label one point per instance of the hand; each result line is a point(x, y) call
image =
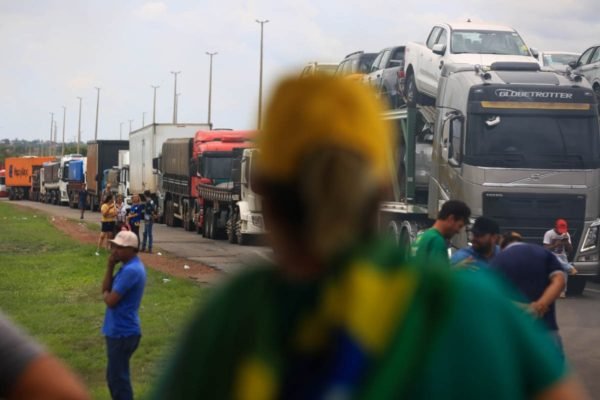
point(538, 308)
point(466, 263)
point(113, 259)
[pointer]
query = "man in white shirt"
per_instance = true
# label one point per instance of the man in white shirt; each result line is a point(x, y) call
point(558, 241)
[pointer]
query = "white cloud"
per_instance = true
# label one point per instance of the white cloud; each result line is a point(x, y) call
point(152, 10)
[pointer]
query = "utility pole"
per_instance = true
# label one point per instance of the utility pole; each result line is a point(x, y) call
point(177, 106)
point(97, 110)
point(210, 83)
point(121, 131)
point(130, 121)
point(55, 138)
point(79, 126)
point(63, 131)
point(51, 132)
point(175, 73)
point(154, 104)
point(260, 81)
point(143, 118)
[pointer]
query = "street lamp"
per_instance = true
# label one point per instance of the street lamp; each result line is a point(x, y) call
point(63, 130)
point(79, 126)
point(262, 25)
point(121, 131)
point(130, 121)
point(154, 105)
point(210, 83)
point(97, 110)
point(175, 73)
point(51, 133)
point(143, 118)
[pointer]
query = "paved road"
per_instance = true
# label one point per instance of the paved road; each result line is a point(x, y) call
point(215, 253)
point(578, 317)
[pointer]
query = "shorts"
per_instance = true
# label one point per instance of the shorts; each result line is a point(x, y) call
point(108, 227)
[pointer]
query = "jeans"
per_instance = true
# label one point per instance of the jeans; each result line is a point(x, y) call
point(119, 351)
point(147, 235)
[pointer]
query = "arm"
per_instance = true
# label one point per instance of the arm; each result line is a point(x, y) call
point(47, 378)
point(567, 243)
point(567, 389)
point(552, 292)
point(111, 298)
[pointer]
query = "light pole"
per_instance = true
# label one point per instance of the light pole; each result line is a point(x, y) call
point(51, 132)
point(121, 131)
point(175, 73)
point(79, 126)
point(262, 25)
point(154, 104)
point(63, 130)
point(97, 110)
point(210, 83)
point(143, 118)
point(130, 121)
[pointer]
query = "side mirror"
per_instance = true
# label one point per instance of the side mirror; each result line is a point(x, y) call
point(439, 49)
point(155, 163)
point(573, 64)
point(535, 53)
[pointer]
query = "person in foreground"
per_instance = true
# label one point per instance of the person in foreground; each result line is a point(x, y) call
point(342, 313)
point(122, 293)
point(27, 371)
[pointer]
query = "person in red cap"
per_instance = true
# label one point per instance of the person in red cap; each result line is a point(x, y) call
point(558, 241)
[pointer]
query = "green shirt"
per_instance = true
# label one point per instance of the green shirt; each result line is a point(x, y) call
point(430, 248)
point(457, 336)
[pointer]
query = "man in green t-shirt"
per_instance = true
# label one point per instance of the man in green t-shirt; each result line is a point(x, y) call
point(431, 246)
point(342, 313)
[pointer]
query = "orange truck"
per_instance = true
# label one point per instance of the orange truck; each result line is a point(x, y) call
point(19, 172)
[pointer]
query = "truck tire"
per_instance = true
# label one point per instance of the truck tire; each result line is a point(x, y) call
point(209, 226)
point(242, 239)
point(187, 223)
point(231, 226)
point(11, 195)
point(402, 234)
point(169, 213)
point(412, 93)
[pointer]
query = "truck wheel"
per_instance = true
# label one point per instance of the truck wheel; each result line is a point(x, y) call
point(401, 234)
point(242, 239)
point(169, 213)
point(412, 94)
point(11, 195)
point(231, 225)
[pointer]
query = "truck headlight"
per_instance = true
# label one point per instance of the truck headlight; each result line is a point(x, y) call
point(257, 220)
point(590, 242)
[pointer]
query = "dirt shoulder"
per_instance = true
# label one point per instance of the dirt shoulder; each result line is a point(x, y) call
point(166, 263)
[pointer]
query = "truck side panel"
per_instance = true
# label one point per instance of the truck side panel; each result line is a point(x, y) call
point(20, 169)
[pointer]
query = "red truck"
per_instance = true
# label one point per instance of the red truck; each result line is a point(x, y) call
point(183, 167)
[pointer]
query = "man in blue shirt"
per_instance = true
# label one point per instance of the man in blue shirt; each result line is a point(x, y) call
point(122, 294)
point(536, 274)
point(136, 214)
point(484, 246)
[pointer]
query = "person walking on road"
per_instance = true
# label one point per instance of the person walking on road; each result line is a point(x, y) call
point(109, 215)
point(485, 234)
point(83, 200)
point(150, 211)
point(431, 246)
point(342, 313)
point(136, 213)
point(122, 293)
point(558, 241)
point(537, 275)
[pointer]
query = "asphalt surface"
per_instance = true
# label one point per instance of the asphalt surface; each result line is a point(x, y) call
point(219, 254)
point(578, 317)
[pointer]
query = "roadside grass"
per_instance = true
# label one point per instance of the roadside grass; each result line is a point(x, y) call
point(50, 286)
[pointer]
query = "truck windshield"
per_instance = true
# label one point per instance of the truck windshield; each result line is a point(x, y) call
point(540, 141)
point(488, 42)
point(216, 168)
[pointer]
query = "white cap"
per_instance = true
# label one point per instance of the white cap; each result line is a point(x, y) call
point(126, 239)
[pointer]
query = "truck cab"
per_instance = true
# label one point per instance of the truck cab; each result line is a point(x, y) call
point(3, 192)
point(521, 146)
point(63, 176)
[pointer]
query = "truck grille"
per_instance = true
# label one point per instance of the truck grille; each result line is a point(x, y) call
point(533, 214)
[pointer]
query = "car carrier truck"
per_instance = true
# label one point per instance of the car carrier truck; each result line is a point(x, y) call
point(517, 144)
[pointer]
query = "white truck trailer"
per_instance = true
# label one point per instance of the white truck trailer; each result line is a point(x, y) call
point(145, 145)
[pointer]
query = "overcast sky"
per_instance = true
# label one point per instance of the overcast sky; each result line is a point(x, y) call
point(53, 51)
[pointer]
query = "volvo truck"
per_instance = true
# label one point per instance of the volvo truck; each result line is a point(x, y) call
point(517, 144)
